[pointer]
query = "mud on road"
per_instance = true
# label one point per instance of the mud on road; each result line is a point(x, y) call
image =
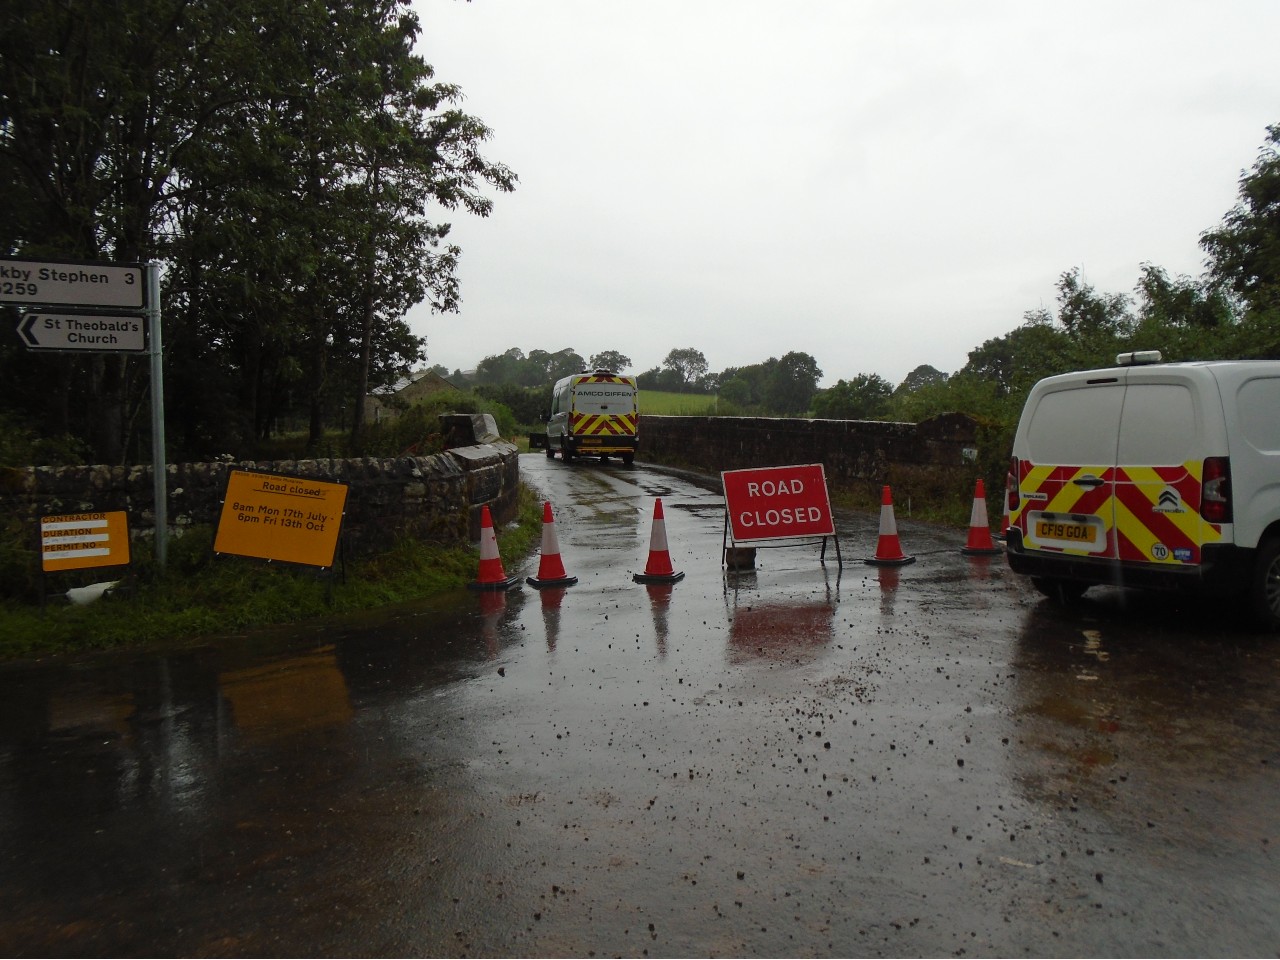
point(795, 760)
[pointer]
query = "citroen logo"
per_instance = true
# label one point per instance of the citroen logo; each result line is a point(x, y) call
point(1169, 502)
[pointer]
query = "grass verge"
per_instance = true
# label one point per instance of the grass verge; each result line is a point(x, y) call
point(952, 510)
point(202, 596)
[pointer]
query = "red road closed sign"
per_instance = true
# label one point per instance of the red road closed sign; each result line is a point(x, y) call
point(778, 503)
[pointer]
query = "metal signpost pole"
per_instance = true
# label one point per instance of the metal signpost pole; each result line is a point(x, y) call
point(159, 463)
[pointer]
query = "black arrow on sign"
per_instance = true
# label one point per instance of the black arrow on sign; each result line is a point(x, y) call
point(28, 322)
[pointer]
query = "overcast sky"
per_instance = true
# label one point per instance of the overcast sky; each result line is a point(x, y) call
point(877, 184)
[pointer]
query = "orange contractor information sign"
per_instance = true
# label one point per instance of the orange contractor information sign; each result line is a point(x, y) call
point(275, 517)
point(75, 541)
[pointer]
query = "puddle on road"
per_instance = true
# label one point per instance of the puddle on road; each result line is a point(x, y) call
point(286, 697)
point(1070, 711)
point(779, 631)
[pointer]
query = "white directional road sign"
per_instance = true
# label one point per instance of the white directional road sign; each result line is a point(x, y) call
point(83, 331)
point(51, 282)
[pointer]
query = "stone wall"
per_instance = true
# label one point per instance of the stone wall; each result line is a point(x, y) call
point(938, 454)
point(439, 497)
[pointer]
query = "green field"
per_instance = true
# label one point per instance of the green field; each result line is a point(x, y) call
point(677, 404)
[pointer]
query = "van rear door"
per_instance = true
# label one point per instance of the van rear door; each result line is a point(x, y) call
point(1066, 476)
point(1159, 462)
point(604, 408)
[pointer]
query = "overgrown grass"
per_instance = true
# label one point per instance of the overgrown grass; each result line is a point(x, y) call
point(951, 510)
point(677, 404)
point(202, 596)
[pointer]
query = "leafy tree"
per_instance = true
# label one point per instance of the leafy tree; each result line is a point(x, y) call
point(736, 391)
point(922, 376)
point(963, 392)
point(527, 404)
point(610, 360)
point(565, 363)
point(791, 383)
point(1166, 301)
point(505, 367)
point(687, 365)
point(536, 370)
point(1184, 318)
point(1090, 318)
point(98, 108)
point(1011, 364)
point(746, 387)
point(282, 157)
point(1244, 252)
point(865, 397)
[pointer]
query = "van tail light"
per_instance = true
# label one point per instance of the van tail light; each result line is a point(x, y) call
point(1215, 490)
point(1011, 487)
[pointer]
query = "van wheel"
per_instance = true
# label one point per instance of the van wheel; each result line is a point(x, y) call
point(566, 454)
point(551, 454)
point(1265, 593)
point(1063, 592)
point(628, 458)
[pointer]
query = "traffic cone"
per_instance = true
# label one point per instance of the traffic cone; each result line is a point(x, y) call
point(979, 543)
point(491, 575)
point(658, 569)
point(550, 568)
point(888, 549)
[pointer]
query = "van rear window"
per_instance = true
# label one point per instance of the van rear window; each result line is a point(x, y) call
point(1159, 426)
point(1076, 427)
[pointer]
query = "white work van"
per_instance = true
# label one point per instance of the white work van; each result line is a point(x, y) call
point(1151, 474)
point(594, 414)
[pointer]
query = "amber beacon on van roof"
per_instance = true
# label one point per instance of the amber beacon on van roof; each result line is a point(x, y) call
point(1138, 358)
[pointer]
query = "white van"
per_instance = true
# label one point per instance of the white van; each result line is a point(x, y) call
point(594, 415)
point(1150, 474)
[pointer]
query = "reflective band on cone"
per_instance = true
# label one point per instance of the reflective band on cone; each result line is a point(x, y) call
point(658, 569)
point(551, 572)
point(888, 549)
point(491, 575)
point(979, 543)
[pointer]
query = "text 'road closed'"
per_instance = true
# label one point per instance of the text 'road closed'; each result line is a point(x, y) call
point(281, 518)
point(776, 503)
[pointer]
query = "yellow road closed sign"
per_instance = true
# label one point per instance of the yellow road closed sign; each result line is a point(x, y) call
point(75, 541)
point(275, 517)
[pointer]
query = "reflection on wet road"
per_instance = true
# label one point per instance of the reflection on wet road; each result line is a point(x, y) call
point(792, 760)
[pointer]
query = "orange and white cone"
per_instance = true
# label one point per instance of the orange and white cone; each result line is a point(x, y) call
point(888, 549)
point(658, 569)
point(979, 543)
point(551, 572)
point(491, 575)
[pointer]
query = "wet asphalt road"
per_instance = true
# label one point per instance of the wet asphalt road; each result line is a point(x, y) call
point(799, 760)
